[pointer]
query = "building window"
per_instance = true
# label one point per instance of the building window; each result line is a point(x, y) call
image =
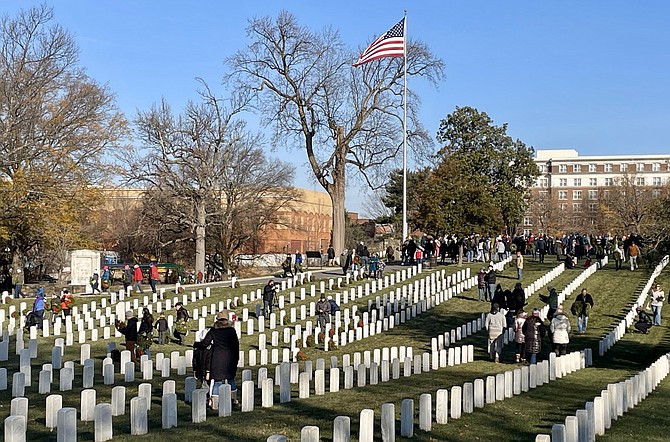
point(593, 182)
point(655, 193)
point(577, 168)
point(527, 221)
point(608, 167)
point(609, 181)
point(543, 194)
point(576, 207)
point(576, 194)
point(639, 167)
point(623, 167)
point(577, 182)
point(656, 181)
point(562, 168)
point(593, 194)
point(544, 182)
point(561, 207)
point(543, 168)
point(563, 182)
point(639, 181)
point(656, 167)
point(562, 194)
point(592, 167)
point(593, 207)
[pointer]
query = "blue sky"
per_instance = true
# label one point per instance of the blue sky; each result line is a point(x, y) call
point(588, 75)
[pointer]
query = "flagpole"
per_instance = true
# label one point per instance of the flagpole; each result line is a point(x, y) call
point(404, 135)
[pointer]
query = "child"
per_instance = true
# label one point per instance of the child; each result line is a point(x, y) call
point(162, 327)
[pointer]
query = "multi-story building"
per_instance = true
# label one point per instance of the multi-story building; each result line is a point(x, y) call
point(571, 189)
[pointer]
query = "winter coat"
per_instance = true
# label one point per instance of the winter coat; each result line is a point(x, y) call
point(495, 324)
point(129, 276)
point(491, 277)
point(161, 325)
point(560, 327)
point(225, 351)
point(130, 330)
point(518, 330)
point(153, 273)
point(137, 274)
point(533, 330)
point(481, 280)
point(519, 299)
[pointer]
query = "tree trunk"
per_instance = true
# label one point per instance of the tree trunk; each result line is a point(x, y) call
point(201, 218)
point(460, 254)
point(336, 192)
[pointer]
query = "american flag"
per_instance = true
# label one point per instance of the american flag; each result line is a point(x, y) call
point(391, 44)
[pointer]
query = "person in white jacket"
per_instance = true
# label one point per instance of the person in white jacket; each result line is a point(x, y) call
point(495, 324)
point(656, 300)
point(560, 329)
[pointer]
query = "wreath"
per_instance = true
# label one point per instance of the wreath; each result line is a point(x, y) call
point(144, 340)
point(120, 325)
point(181, 327)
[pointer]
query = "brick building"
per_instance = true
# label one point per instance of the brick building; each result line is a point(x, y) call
point(571, 190)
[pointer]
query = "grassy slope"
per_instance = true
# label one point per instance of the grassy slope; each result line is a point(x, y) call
point(518, 418)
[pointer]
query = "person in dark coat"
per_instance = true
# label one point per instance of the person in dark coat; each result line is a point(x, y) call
point(202, 359)
point(129, 330)
point(182, 318)
point(269, 293)
point(533, 330)
point(498, 297)
point(225, 352)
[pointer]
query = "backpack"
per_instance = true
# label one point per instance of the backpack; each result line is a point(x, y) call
point(333, 306)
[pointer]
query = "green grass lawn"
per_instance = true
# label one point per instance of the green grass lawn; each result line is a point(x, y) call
point(519, 418)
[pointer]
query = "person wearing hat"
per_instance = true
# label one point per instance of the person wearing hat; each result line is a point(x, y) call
point(519, 337)
point(137, 278)
point(322, 312)
point(18, 278)
point(129, 330)
point(560, 332)
point(225, 348)
point(38, 306)
point(552, 300)
point(533, 330)
point(106, 279)
point(643, 323)
point(269, 293)
point(481, 285)
point(495, 324)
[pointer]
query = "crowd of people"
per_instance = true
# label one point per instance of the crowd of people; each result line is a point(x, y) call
point(508, 312)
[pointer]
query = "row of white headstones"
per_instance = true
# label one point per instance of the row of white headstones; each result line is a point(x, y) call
point(247, 385)
point(597, 415)
point(502, 386)
point(67, 372)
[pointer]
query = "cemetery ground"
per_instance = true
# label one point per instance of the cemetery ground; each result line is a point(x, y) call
point(517, 418)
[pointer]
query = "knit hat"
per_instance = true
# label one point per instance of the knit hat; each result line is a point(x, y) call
point(129, 314)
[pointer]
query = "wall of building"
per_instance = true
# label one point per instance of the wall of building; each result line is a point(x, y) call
point(567, 195)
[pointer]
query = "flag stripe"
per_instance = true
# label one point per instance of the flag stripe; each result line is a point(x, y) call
point(390, 44)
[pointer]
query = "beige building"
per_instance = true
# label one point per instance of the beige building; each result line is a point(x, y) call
point(570, 190)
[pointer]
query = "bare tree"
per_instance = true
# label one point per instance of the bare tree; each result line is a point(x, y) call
point(56, 127)
point(630, 202)
point(342, 116)
point(203, 169)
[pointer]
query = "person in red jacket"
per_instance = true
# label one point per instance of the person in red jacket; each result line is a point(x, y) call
point(137, 279)
point(153, 277)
